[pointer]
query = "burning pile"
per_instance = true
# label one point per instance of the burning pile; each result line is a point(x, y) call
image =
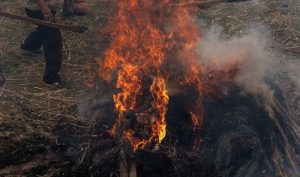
point(153, 46)
point(174, 115)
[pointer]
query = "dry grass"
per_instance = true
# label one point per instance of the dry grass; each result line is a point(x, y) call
point(28, 107)
point(236, 18)
point(32, 114)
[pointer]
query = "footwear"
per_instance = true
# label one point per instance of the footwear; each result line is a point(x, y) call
point(57, 84)
point(31, 51)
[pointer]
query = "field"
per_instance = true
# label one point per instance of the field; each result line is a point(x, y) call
point(33, 115)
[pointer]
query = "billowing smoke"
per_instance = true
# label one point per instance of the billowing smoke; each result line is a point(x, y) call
point(252, 53)
point(249, 51)
point(259, 68)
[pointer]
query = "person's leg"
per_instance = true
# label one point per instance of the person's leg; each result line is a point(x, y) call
point(51, 40)
point(53, 48)
point(68, 7)
point(34, 41)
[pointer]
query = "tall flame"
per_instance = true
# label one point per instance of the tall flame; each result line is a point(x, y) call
point(160, 102)
point(145, 31)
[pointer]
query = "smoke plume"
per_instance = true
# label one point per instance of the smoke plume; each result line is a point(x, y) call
point(249, 51)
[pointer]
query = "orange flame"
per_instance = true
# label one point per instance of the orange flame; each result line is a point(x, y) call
point(161, 99)
point(145, 32)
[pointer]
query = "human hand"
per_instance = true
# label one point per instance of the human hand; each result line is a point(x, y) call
point(47, 14)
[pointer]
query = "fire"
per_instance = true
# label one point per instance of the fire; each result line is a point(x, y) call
point(145, 33)
point(130, 85)
point(160, 102)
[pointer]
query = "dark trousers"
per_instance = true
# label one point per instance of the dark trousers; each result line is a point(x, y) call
point(68, 6)
point(51, 41)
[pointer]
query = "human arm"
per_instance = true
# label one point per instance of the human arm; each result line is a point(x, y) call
point(45, 10)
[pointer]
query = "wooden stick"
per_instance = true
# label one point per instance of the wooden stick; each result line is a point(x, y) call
point(78, 29)
point(207, 4)
point(200, 3)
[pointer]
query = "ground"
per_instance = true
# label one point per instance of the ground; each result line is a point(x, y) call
point(33, 115)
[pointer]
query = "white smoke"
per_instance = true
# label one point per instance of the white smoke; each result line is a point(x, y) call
point(259, 65)
point(250, 51)
point(260, 68)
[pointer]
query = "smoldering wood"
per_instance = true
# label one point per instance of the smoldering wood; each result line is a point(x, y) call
point(239, 128)
point(127, 165)
point(77, 29)
point(123, 164)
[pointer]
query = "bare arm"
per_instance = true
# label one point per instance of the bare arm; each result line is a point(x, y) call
point(45, 10)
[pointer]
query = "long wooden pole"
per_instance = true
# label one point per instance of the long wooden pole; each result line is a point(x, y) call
point(200, 3)
point(78, 29)
point(207, 3)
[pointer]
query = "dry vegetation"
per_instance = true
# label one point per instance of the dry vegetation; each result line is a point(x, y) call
point(32, 115)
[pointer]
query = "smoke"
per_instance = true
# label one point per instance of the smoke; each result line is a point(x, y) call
point(259, 68)
point(252, 53)
point(248, 52)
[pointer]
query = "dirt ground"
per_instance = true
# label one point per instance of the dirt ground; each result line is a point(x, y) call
point(33, 115)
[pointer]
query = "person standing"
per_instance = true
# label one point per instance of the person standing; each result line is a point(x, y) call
point(48, 38)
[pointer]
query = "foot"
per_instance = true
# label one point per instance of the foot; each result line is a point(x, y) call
point(31, 51)
point(57, 84)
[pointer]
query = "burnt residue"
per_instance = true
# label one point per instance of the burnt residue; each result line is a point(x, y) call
point(239, 138)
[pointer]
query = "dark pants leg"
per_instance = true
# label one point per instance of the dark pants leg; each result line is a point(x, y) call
point(68, 7)
point(51, 40)
point(35, 40)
